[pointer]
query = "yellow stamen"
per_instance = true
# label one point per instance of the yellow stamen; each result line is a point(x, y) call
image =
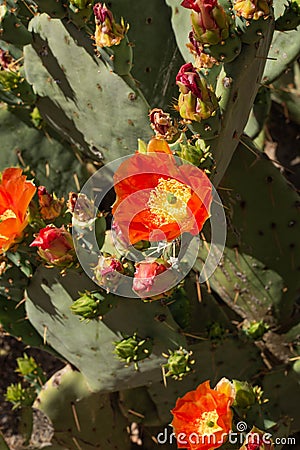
point(168, 201)
point(8, 214)
point(207, 424)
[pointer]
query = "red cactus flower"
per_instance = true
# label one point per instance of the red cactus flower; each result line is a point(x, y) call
point(15, 195)
point(158, 200)
point(202, 418)
point(55, 246)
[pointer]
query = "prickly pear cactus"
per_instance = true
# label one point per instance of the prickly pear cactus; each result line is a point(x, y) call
point(145, 240)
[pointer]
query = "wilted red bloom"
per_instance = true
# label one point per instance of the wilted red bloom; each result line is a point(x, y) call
point(50, 206)
point(73, 196)
point(158, 200)
point(55, 245)
point(202, 418)
point(15, 196)
point(163, 125)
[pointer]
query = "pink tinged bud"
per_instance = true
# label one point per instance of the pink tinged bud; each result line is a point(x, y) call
point(145, 274)
point(154, 278)
point(108, 272)
point(55, 246)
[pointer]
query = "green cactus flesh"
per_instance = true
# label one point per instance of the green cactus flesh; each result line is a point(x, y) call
point(90, 346)
point(249, 279)
point(82, 419)
point(53, 163)
point(103, 117)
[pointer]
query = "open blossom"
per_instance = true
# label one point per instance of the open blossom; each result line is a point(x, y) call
point(209, 19)
point(197, 101)
point(158, 200)
point(15, 195)
point(203, 417)
point(108, 32)
point(55, 245)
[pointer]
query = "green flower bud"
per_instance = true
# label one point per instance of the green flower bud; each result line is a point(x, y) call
point(91, 305)
point(179, 363)
point(245, 395)
point(199, 155)
point(20, 396)
point(133, 349)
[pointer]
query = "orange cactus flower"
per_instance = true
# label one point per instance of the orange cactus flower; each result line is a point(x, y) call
point(158, 199)
point(202, 418)
point(15, 195)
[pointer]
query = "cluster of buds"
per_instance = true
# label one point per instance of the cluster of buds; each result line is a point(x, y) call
point(163, 125)
point(252, 9)
point(210, 21)
point(91, 305)
point(133, 349)
point(50, 207)
point(197, 101)
point(199, 155)
point(108, 32)
point(55, 246)
point(179, 363)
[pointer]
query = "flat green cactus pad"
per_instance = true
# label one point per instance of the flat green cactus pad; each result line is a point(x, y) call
point(80, 97)
point(90, 346)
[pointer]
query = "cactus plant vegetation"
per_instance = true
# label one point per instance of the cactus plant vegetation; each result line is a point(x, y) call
point(156, 100)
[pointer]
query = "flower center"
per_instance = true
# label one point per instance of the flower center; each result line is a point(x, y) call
point(168, 201)
point(207, 424)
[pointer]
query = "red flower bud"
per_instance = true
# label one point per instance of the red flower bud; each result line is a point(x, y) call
point(147, 282)
point(187, 79)
point(55, 246)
